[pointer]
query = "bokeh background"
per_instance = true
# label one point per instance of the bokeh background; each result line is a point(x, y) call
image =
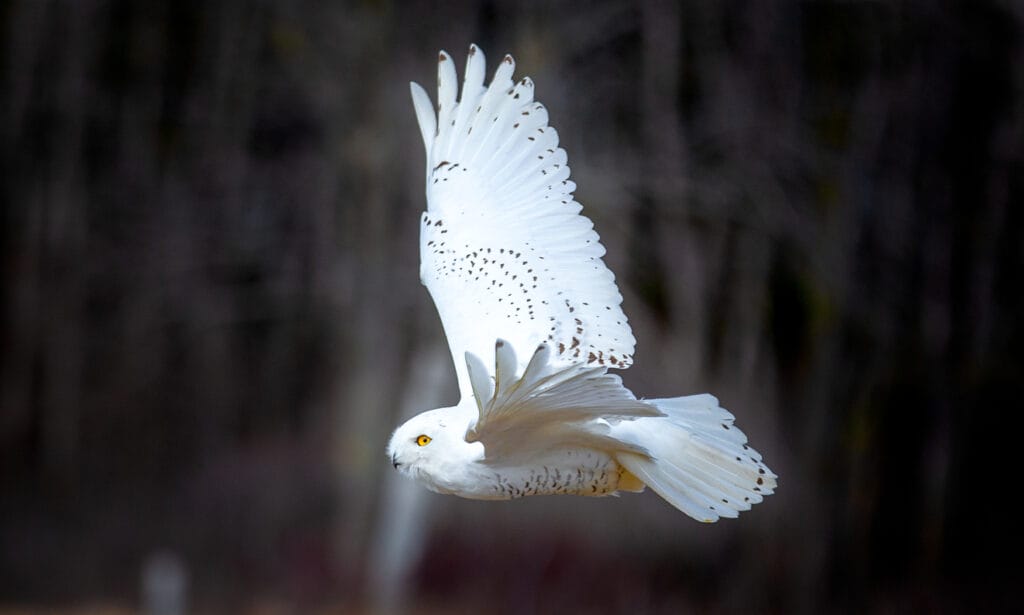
point(212, 317)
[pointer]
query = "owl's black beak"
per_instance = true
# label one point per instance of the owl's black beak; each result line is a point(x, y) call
point(394, 461)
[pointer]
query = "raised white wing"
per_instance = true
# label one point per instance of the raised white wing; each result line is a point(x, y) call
point(504, 250)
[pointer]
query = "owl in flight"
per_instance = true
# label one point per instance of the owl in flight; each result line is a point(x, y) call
point(534, 323)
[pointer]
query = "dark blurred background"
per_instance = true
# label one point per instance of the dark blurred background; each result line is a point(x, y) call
point(212, 317)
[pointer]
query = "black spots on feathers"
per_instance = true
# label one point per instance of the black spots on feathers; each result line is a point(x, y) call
point(501, 273)
point(443, 170)
point(515, 284)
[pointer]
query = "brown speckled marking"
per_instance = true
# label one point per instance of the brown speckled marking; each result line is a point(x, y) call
point(589, 474)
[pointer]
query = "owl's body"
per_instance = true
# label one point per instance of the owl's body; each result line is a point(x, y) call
point(562, 472)
point(566, 471)
point(513, 266)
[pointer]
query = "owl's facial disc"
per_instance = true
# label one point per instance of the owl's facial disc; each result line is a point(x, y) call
point(431, 447)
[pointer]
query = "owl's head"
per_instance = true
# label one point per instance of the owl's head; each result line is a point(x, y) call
point(431, 447)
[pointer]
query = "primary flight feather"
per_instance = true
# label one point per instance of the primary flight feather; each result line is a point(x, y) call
point(534, 321)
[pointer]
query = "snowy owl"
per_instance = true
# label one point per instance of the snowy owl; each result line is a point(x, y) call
point(534, 323)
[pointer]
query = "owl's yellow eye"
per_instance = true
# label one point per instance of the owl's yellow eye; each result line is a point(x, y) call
point(423, 440)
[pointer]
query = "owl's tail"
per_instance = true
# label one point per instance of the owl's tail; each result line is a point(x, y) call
point(699, 461)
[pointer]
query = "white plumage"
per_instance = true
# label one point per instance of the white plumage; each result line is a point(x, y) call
point(512, 265)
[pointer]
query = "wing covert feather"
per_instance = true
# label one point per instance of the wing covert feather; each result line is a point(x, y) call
point(548, 406)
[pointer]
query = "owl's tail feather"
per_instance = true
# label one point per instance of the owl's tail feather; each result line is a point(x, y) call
point(699, 461)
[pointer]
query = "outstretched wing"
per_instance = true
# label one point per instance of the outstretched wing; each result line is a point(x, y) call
point(504, 250)
point(548, 407)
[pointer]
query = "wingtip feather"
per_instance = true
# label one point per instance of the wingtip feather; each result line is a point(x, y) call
point(480, 379)
point(504, 365)
point(424, 114)
point(447, 87)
